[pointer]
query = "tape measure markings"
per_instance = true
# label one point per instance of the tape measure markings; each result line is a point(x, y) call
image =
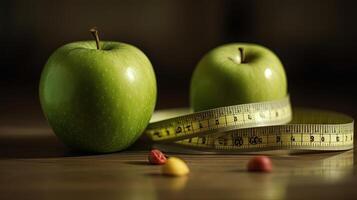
point(256, 126)
point(221, 119)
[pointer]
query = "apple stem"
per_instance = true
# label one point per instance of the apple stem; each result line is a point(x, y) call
point(242, 54)
point(95, 32)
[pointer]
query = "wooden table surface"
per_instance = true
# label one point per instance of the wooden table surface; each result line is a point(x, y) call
point(35, 165)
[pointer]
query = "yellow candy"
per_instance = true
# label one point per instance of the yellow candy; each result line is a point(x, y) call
point(175, 167)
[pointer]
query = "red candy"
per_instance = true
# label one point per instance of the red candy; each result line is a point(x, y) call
point(156, 157)
point(260, 164)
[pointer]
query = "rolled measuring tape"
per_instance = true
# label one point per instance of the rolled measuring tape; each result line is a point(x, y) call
point(253, 127)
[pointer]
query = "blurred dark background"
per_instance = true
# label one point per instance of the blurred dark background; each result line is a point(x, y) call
point(316, 41)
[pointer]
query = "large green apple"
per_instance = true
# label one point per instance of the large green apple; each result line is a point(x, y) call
point(237, 73)
point(98, 96)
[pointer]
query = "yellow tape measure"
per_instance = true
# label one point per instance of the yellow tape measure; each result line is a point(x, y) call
point(250, 128)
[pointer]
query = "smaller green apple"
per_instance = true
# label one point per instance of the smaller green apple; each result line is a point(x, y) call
point(237, 73)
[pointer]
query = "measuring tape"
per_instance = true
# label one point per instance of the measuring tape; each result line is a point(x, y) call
point(262, 126)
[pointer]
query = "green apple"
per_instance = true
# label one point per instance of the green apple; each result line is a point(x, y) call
point(237, 73)
point(98, 96)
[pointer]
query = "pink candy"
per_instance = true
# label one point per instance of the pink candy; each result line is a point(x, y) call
point(260, 164)
point(156, 157)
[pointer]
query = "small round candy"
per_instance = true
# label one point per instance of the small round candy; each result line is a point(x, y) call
point(156, 157)
point(260, 164)
point(175, 167)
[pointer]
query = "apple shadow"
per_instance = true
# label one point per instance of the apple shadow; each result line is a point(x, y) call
point(35, 142)
point(23, 143)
